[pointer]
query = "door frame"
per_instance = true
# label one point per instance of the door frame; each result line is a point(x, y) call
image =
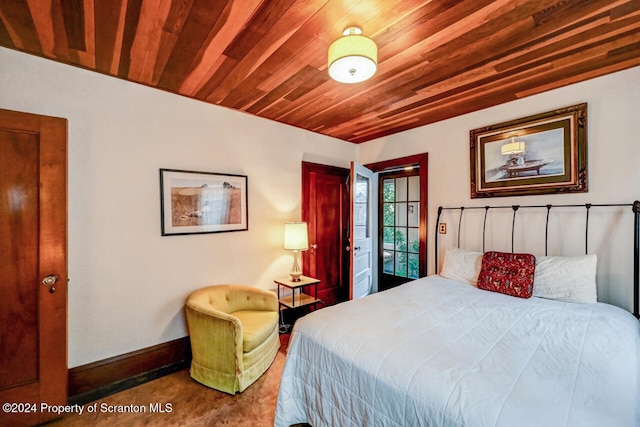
point(422, 161)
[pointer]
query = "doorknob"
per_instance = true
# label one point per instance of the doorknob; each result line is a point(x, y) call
point(50, 280)
point(314, 246)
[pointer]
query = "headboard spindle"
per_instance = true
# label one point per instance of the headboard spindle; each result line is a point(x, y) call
point(546, 232)
point(484, 226)
point(586, 231)
point(513, 225)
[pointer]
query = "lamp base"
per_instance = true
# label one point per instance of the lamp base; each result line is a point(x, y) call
point(295, 272)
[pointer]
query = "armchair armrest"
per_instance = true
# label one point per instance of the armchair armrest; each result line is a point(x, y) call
point(216, 337)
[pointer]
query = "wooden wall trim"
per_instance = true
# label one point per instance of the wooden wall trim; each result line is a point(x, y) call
point(102, 378)
point(414, 160)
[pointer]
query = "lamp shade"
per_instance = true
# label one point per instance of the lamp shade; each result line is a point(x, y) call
point(296, 236)
point(513, 147)
point(353, 58)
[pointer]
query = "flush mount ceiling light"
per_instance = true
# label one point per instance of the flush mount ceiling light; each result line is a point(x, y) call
point(353, 58)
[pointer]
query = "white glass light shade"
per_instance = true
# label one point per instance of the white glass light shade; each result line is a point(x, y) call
point(353, 58)
point(296, 236)
point(513, 147)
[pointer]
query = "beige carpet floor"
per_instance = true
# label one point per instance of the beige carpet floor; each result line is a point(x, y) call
point(190, 403)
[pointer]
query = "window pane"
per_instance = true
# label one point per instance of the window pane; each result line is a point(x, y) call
point(361, 189)
point(388, 214)
point(388, 238)
point(401, 239)
point(387, 261)
point(401, 189)
point(401, 214)
point(413, 268)
point(414, 240)
point(401, 264)
point(414, 188)
point(361, 207)
point(360, 214)
point(389, 190)
point(414, 214)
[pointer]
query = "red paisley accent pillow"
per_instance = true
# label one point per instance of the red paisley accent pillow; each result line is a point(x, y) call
point(507, 273)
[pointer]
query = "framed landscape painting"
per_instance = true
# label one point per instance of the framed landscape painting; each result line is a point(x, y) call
point(541, 154)
point(202, 202)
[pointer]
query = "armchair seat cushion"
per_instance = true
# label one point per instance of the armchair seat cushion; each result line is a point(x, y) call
point(257, 325)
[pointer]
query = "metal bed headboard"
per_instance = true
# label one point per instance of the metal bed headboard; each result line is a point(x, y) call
point(636, 233)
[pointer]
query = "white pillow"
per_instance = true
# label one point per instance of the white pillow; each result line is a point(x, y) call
point(566, 278)
point(462, 266)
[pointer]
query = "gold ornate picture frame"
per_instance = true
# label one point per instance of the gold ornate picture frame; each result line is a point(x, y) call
point(541, 154)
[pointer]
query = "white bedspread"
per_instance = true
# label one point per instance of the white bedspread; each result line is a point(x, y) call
point(435, 352)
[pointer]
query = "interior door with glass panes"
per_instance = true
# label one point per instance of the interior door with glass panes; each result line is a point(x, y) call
point(399, 227)
point(362, 218)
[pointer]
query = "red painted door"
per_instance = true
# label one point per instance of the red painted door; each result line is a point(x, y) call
point(33, 230)
point(325, 207)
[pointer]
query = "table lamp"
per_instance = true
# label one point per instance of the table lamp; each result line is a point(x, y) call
point(516, 148)
point(296, 239)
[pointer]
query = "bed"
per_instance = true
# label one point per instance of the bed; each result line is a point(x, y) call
point(442, 352)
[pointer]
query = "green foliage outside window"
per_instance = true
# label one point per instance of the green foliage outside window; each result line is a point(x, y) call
point(401, 243)
point(406, 265)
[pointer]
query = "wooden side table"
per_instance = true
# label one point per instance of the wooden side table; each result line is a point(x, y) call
point(304, 293)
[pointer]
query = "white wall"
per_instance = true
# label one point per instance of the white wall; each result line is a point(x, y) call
point(128, 284)
point(614, 177)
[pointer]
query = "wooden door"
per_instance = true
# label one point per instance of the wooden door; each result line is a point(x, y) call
point(33, 226)
point(325, 207)
point(361, 232)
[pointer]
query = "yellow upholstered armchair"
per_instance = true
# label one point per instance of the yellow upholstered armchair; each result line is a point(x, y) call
point(234, 335)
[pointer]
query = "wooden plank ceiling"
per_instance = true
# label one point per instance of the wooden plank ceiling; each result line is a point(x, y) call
point(437, 58)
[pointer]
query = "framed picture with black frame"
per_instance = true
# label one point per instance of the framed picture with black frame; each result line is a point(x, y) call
point(202, 202)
